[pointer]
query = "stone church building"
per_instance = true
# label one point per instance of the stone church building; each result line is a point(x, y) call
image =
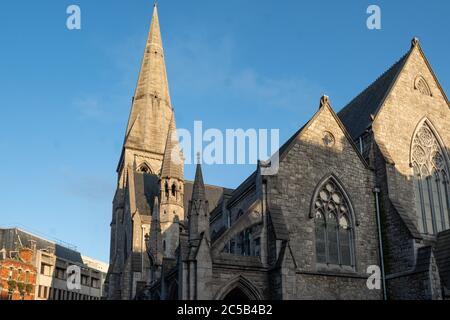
point(380, 166)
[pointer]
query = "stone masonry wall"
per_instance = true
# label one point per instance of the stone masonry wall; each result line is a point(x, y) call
point(303, 168)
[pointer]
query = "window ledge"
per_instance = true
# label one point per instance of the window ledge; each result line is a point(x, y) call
point(335, 268)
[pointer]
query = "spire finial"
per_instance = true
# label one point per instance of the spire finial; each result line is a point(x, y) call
point(324, 100)
point(198, 157)
point(414, 42)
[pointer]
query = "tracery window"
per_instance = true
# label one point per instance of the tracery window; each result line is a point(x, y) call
point(144, 168)
point(431, 183)
point(333, 226)
point(421, 85)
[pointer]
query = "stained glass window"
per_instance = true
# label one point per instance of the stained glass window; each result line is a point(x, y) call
point(430, 182)
point(333, 228)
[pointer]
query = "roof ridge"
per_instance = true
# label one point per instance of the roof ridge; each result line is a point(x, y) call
point(209, 185)
point(372, 84)
point(359, 113)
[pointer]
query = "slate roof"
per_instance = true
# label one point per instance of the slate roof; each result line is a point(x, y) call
point(172, 166)
point(213, 194)
point(243, 187)
point(9, 238)
point(442, 254)
point(357, 115)
point(423, 259)
point(406, 219)
point(278, 223)
point(146, 188)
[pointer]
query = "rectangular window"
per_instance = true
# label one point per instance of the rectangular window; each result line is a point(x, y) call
point(46, 269)
point(95, 283)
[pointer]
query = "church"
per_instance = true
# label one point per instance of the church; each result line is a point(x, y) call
point(367, 187)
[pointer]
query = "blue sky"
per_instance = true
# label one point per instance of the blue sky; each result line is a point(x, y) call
point(65, 95)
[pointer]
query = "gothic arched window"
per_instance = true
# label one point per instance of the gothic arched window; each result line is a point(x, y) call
point(333, 226)
point(144, 168)
point(166, 190)
point(174, 190)
point(431, 184)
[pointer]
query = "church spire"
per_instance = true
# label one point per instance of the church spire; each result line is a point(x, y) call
point(198, 191)
point(172, 166)
point(198, 214)
point(153, 75)
point(151, 108)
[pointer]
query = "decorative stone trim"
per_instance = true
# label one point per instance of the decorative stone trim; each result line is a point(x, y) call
point(421, 85)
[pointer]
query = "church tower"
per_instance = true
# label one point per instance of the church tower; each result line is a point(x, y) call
point(150, 178)
point(151, 110)
point(172, 193)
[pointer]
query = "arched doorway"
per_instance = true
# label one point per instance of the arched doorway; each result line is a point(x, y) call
point(239, 289)
point(236, 295)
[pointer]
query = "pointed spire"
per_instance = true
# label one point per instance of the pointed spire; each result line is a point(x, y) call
point(172, 166)
point(198, 207)
point(154, 37)
point(153, 75)
point(198, 191)
point(151, 104)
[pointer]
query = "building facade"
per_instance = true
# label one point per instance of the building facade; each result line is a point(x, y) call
point(17, 275)
point(48, 264)
point(368, 186)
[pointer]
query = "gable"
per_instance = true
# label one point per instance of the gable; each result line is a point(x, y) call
point(415, 95)
point(358, 115)
point(324, 132)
